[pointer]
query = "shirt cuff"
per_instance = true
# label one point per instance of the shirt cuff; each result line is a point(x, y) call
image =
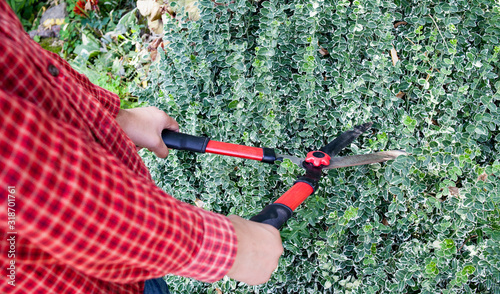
point(217, 252)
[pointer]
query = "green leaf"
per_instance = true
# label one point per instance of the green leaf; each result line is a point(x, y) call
point(233, 104)
point(351, 213)
point(399, 226)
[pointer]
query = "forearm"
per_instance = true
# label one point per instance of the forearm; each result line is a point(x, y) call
point(86, 209)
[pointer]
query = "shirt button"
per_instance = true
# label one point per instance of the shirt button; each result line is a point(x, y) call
point(53, 70)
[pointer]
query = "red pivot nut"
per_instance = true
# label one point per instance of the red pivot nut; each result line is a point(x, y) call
point(318, 158)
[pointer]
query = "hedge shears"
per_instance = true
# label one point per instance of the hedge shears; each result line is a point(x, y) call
point(277, 213)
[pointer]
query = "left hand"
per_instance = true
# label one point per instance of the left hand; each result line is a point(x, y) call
point(259, 250)
point(144, 126)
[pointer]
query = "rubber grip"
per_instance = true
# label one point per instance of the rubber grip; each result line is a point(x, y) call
point(275, 214)
point(269, 155)
point(296, 194)
point(254, 153)
point(182, 141)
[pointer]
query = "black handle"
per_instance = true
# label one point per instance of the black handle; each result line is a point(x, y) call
point(275, 214)
point(182, 141)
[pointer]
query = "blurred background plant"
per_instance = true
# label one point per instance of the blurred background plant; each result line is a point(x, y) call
point(28, 11)
point(101, 39)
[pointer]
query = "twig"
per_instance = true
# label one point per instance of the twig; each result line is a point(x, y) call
point(439, 32)
point(223, 4)
point(410, 40)
point(428, 76)
point(473, 236)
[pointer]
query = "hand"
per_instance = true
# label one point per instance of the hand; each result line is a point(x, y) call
point(144, 126)
point(259, 249)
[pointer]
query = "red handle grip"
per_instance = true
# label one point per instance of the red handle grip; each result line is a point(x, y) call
point(235, 150)
point(182, 141)
point(296, 195)
point(255, 153)
point(279, 212)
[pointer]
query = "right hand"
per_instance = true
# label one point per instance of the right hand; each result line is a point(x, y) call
point(144, 125)
point(259, 250)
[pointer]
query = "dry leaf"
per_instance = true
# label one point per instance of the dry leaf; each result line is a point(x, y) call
point(190, 6)
point(153, 11)
point(88, 6)
point(397, 24)
point(483, 177)
point(323, 51)
point(149, 8)
point(385, 222)
point(153, 55)
point(156, 26)
point(400, 95)
point(394, 56)
point(153, 47)
point(199, 203)
point(156, 15)
point(218, 291)
point(155, 43)
point(454, 191)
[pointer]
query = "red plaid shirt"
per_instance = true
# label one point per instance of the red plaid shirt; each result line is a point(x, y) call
point(88, 218)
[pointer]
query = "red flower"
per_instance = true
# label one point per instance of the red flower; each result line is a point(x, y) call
point(83, 5)
point(80, 8)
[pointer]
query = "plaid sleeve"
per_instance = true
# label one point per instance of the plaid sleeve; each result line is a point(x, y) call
point(108, 99)
point(86, 209)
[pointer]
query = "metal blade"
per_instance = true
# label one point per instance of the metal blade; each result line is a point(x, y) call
point(354, 160)
point(345, 139)
point(296, 160)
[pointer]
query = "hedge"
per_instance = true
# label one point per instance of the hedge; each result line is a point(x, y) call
point(292, 75)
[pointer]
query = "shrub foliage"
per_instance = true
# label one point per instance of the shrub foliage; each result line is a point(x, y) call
point(293, 75)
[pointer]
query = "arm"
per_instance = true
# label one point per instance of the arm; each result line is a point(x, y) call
point(89, 211)
point(254, 261)
point(259, 249)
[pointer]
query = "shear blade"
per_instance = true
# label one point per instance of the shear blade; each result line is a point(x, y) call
point(354, 160)
point(294, 159)
point(345, 139)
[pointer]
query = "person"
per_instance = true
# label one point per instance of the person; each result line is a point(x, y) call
point(84, 215)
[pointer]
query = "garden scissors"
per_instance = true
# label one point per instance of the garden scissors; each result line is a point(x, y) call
point(277, 213)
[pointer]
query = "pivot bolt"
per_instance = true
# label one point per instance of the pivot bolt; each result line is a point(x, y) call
point(318, 158)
